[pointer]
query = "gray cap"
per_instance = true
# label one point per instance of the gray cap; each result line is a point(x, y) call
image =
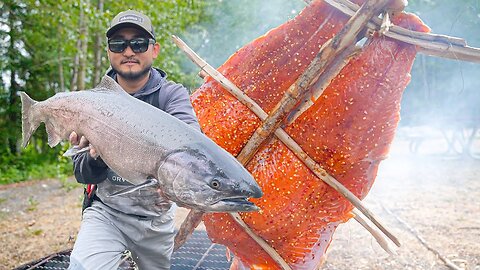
point(131, 18)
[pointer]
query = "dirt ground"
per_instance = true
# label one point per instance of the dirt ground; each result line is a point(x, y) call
point(425, 197)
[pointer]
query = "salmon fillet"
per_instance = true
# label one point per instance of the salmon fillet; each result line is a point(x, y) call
point(347, 131)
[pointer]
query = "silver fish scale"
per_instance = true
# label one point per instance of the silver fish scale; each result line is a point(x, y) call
point(122, 129)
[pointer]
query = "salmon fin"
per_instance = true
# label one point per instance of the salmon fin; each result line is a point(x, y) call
point(28, 125)
point(109, 84)
point(149, 182)
point(190, 223)
point(75, 151)
point(53, 137)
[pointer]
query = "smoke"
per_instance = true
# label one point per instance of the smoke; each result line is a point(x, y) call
point(441, 103)
point(437, 144)
point(231, 24)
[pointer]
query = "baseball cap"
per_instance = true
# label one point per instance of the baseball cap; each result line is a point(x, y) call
point(131, 18)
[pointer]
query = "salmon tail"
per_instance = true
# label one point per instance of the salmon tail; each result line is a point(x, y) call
point(28, 126)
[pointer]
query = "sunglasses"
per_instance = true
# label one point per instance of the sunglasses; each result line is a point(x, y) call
point(138, 45)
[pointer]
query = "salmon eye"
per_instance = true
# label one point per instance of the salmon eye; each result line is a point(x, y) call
point(215, 184)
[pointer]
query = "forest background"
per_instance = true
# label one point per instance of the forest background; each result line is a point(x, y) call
point(49, 46)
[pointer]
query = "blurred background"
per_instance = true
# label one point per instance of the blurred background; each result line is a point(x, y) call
point(52, 46)
point(430, 179)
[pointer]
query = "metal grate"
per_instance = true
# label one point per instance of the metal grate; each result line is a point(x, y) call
point(60, 261)
point(198, 253)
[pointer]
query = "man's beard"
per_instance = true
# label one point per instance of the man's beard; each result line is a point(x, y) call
point(130, 75)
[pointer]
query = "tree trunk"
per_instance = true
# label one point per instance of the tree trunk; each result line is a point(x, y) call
point(60, 71)
point(82, 64)
point(12, 112)
point(73, 82)
point(97, 69)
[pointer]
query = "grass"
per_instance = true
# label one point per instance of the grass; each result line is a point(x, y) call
point(35, 232)
point(18, 173)
point(32, 165)
point(69, 185)
point(32, 204)
point(36, 161)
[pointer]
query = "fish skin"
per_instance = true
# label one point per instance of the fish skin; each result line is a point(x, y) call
point(75, 150)
point(139, 142)
point(348, 131)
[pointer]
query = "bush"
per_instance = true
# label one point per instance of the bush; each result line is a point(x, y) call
point(34, 164)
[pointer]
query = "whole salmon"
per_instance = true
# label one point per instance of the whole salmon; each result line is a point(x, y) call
point(142, 143)
point(347, 131)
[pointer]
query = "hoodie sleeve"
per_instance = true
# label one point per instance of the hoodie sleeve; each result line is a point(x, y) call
point(88, 170)
point(178, 104)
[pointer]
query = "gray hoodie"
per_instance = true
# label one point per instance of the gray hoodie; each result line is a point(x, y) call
point(168, 96)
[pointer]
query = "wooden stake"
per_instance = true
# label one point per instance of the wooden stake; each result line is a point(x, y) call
point(330, 51)
point(266, 247)
point(247, 101)
point(283, 136)
point(430, 44)
point(373, 231)
point(323, 81)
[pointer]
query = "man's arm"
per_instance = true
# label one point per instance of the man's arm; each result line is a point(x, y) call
point(89, 170)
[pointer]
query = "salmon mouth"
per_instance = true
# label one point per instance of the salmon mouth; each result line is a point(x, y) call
point(235, 204)
point(238, 200)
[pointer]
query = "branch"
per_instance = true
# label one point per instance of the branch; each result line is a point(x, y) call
point(247, 101)
point(374, 232)
point(332, 50)
point(430, 44)
point(284, 137)
point(323, 81)
point(271, 251)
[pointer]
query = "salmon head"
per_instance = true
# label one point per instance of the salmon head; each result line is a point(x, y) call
point(203, 178)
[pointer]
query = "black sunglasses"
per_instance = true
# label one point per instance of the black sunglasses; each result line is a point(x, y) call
point(138, 45)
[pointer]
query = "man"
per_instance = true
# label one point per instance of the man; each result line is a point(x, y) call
point(141, 221)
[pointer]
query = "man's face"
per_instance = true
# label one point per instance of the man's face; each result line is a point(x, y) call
point(128, 64)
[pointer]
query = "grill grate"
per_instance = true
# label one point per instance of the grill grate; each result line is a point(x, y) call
point(198, 253)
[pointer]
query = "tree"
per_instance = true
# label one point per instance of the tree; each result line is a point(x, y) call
point(51, 46)
point(442, 90)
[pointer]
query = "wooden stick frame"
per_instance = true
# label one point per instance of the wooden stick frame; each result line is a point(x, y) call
point(436, 45)
point(330, 51)
point(335, 47)
point(287, 140)
point(431, 44)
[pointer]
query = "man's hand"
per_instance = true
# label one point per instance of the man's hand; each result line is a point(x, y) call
point(82, 143)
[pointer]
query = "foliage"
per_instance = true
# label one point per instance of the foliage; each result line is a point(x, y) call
point(34, 164)
point(32, 204)
point(234, 24)
point(41, 55)
point(440, 90)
